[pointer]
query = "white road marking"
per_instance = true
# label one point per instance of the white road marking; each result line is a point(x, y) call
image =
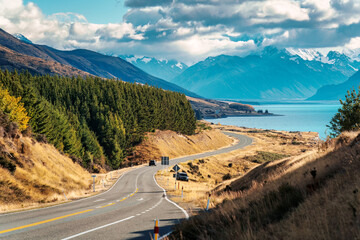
point(138, 214)
point(183, 210)
point(95, 229)
point(99, 200)
point(140, 199)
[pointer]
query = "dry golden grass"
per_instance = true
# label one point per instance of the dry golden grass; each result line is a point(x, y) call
point(200, 184)
point(321, 199)
point(169, 143)
point(44, 176)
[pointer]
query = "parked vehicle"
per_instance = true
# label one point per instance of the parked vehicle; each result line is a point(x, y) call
point(152, 163)
point(182, 176)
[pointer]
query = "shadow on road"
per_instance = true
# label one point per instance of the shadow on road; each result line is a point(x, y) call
point(165, 226)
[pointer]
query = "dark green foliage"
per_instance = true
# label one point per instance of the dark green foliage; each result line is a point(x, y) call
point(96, 119)
point(348, 116)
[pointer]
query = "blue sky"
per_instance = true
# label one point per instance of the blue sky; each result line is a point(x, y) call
point(96, 11)
point(186, 30)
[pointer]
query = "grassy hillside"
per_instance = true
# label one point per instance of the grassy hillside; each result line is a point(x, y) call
point(97, 121)
point(310, 196)
point(172, 144)
point(32, 172)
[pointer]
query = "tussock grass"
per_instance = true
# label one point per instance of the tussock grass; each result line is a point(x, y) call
point(42, 175)
point(311, 196)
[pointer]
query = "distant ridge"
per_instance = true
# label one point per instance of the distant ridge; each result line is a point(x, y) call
point(85, 60)
point(337, 91)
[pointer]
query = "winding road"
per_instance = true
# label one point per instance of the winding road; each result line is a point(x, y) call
point(126, 211)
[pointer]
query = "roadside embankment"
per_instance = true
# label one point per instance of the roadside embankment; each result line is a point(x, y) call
point(310, 195)
point(172, 144)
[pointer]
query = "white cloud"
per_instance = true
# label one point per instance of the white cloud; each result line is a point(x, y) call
point(190, 30)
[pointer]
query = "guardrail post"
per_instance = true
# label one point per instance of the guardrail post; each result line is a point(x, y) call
point(208, 202)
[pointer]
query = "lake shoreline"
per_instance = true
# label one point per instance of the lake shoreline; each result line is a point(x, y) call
point(289, 117)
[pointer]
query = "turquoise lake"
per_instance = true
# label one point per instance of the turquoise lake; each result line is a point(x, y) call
point(295, 117)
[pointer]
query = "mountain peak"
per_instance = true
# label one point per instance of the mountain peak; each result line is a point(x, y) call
point(158, 67)
point(22, 38)
point(336, 55)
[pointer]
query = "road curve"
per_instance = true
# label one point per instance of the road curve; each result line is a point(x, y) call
point(126, 211)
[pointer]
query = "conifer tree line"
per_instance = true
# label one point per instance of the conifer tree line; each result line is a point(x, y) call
point(97, 120)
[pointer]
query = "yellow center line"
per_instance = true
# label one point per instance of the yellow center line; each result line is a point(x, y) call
point(107, 205)
point(57, 218)
point(45, 221)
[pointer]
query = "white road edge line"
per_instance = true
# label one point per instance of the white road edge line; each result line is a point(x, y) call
point(95, 229)
point(183, 210)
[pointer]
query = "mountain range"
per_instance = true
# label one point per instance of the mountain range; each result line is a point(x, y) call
point(271, 75)
point(161, 68)
point(337, 91)
point(43, 59)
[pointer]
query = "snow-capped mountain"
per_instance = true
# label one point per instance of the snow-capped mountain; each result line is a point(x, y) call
point(341, 62)
point(161, 68)
point(22, 38)
point(273, 74)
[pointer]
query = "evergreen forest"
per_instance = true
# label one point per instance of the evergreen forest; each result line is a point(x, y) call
point(96, 121)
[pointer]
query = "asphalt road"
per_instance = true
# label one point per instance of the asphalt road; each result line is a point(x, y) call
point(126, 211)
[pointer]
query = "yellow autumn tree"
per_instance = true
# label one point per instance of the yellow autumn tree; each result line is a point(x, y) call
point(14, 109)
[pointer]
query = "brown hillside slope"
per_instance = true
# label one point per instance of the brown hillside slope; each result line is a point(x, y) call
point(169, 143)
point(42, 174)
point(11, 60)
point(312, 196)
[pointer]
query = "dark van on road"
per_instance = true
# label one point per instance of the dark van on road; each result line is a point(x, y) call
point(182, 176)
point(152, 163)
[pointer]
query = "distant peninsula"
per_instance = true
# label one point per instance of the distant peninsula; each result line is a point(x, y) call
point(209, 108)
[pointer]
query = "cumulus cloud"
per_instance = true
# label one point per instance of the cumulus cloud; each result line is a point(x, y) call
point(61, 30)
point(191, 30)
